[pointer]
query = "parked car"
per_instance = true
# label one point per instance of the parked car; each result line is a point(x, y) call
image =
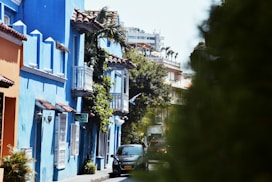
point(128, 158)
point(156, 148)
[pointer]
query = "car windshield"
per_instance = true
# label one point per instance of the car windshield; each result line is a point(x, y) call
point(130, 150)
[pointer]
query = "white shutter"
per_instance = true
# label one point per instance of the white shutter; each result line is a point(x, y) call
point(60, 140)
point(74, 139)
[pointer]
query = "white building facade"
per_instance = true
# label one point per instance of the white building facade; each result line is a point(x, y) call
point(136, 35)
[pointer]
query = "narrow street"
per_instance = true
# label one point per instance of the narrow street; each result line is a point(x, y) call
point(123, 178)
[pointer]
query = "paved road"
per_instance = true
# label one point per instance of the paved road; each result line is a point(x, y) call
point(124, 178)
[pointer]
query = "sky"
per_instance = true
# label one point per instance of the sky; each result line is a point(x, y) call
point(175, 20)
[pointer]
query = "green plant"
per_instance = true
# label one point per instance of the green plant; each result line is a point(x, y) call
point(16, 166)
point(149, 80)
point(99, 102)
point(89, 167)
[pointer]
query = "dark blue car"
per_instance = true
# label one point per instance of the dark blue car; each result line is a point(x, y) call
point(127, 158)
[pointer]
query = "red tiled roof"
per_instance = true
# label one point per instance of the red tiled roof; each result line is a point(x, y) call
point(84, 22)
point(65, 107)
point(46, 104)
point(6, 29)
point(62, 47)
point(124, 62)
point(5, 82)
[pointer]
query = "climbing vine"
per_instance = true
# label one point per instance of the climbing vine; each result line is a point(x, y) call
point(99, 102)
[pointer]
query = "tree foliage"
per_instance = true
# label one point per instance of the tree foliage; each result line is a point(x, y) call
point(147, 79)
point(223, 132)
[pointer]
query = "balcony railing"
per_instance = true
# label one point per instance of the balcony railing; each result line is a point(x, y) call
point(82, 80)
point(119, 103)
point(163, 60)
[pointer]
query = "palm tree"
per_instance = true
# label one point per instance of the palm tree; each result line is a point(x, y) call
point(111, 31)
point(169, 53)
point(176, 55)
point(114, 33)
point(103, 16)
point(166, 51)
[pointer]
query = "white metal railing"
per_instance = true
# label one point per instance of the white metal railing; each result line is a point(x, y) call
point(119, 102)
point(163, 60)
point(82, 78)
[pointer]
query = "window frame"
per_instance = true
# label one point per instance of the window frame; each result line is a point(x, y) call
point(74, 140)
point(60, 140)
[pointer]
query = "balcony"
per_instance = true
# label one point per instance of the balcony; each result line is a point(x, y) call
point(119, 103)
point(82, 81)
point(163, 60)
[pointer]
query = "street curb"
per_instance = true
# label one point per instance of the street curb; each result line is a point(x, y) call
point(100, 179)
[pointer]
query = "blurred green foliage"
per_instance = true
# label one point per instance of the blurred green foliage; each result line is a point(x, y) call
point(148, 79)
point(223, 132)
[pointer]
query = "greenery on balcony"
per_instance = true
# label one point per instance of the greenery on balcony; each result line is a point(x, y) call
point(99, 102)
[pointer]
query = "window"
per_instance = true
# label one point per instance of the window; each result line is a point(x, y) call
point(6, 20)
point(62, 63)
point(60, 140)
point(125, 82)
point(74, 141)
point(131, 37)
point(8, 16)
point(75, 51)
point(171, 76)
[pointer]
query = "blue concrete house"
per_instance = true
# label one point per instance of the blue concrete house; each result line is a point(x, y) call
point(53, 80)
point(99, 145)
point(52, 128)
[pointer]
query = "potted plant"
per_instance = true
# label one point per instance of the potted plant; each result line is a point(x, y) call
point(89, 167)
point(16, 166)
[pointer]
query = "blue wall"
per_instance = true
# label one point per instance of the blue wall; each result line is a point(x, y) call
point(51, 17)
point(45, 22)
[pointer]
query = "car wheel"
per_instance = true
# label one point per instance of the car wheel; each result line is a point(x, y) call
point(115, 173)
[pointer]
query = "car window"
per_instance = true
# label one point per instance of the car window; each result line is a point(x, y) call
point(130, 150)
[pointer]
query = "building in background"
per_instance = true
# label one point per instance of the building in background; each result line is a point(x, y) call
point(53, 79)
point(137, 36)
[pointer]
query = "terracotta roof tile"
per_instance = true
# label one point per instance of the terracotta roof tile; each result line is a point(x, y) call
point(121, 61)
point(11, 31)
point(47, 105)
point(5, 82)
point(84, 22)
point(65, 107)
point(62, 47)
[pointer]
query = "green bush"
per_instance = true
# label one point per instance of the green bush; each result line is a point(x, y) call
point(89, 167)
point(16, 166)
